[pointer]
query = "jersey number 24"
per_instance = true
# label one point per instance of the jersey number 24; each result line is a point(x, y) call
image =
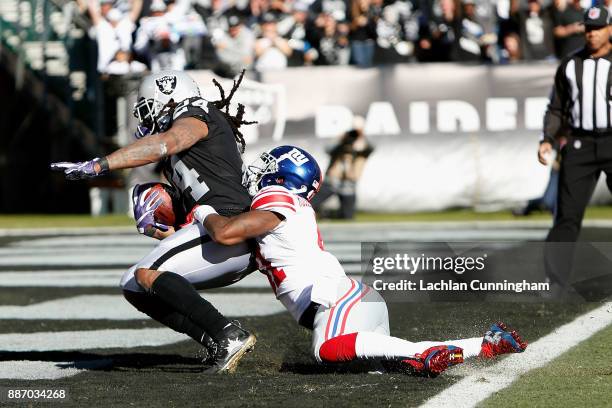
point(187, 178)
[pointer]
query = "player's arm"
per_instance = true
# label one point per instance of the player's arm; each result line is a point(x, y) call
point(230, 231)
point(183, 134)
point(557, 106)
point(554, 116)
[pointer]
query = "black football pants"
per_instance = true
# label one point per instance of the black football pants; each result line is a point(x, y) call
point(582, 161)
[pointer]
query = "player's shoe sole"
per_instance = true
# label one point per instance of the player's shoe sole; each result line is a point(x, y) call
point(498, 340)
point(231, 364)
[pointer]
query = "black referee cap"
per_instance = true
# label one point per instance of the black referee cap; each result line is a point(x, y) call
point(596, 17)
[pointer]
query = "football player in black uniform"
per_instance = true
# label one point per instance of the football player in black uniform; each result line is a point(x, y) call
point(197, 142)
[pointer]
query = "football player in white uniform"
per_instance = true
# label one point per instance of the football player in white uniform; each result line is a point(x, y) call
point(196, 140)
point(349, 319)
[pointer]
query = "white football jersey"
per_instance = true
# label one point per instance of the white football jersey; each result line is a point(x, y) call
point(292, 254)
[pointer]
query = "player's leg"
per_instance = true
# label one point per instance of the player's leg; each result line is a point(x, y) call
point(358, 328)
point(160, 311)
point(179, 262)
point(170, 273)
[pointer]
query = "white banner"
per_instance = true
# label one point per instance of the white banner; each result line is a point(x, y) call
point(445, 135)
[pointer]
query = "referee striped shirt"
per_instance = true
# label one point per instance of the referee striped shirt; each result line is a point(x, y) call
point(581, 97)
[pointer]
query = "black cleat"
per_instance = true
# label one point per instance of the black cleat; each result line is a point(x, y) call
point(231, 348)
point(209, 350)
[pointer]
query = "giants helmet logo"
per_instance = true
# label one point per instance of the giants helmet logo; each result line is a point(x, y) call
point(295, 156)
point(166, 84)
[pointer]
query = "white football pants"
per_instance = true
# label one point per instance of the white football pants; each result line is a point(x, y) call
point(359, 325)
point(191, 253)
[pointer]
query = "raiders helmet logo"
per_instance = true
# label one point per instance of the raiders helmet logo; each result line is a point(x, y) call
point(594, 13)
point(166, 84)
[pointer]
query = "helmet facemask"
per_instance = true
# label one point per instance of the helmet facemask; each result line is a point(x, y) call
point(265, 164)
point(153, 117)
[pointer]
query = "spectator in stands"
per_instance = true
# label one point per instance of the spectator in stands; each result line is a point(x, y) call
point(215, 17)
point(271, 50)
point(257, 10)
point(363, 32)
point(294, 28)
point(338, 9)
point(111, 29)
point(397, 31)
point(123, 64)
point(234, 48)
point(512, 49)
point(157, 42)
point(280, 8)
point(190, 27)
point(508, 21)
point(471, 42)
point(332, 41)
point(536, 32)
point(568, 27)
point(438, 35)
point(347, 161)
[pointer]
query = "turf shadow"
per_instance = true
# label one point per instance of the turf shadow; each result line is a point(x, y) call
point(114, 362)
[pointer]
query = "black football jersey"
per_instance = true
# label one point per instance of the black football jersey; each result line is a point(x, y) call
point(210, 171)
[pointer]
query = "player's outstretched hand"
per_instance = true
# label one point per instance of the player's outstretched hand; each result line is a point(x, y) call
point(79, 170)
point(145, 204)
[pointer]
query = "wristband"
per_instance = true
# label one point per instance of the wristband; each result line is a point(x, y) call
point(202, 212)
point(103, 163)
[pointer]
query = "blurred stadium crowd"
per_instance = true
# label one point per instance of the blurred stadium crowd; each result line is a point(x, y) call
point(263, 35)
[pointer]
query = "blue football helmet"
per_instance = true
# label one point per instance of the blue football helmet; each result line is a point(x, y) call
point(287, 166)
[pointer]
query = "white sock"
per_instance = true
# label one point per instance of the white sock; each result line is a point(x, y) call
point(375, 345)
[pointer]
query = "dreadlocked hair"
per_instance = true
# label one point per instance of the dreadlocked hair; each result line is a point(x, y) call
point(223, 105)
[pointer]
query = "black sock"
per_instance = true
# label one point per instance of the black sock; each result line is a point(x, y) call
point(157, 309)
point(177, 292)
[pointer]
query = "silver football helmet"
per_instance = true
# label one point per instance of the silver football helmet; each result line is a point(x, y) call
point(153, 107)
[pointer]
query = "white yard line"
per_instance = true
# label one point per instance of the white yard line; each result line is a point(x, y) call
point(99, 278)
point(48, 370)
point(88, 339)
point(115, 307)
point(475, 388)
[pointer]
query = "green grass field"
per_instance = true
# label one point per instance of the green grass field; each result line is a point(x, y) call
point(580, 378)
point(64, 221)
point(281, 371)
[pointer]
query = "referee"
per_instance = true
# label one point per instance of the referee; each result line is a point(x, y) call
point(581, 107)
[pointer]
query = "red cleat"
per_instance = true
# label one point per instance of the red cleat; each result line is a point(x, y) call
point(435, 360)
point(498, 340)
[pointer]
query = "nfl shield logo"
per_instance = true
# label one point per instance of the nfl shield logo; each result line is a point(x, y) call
point(594, 13)
point(166, 84)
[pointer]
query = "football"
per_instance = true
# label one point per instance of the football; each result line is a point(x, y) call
point(164, 214)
